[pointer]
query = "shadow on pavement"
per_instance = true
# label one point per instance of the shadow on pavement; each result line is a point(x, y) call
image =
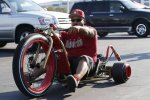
point(56, 92)
point(134, 57)
point(14, 95)
point(98, 83)
point(59, 92)
point(104, 85)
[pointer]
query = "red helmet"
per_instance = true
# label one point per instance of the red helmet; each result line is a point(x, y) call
point(78, 13)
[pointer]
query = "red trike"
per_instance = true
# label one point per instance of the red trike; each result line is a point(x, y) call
point(45, 51)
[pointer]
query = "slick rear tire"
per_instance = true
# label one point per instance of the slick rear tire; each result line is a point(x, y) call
point(121, 72)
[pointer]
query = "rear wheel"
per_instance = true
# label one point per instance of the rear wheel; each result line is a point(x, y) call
point(2, 44)
point(121, 72)
point(141, 29)
point(102, 34)
point(29, 75)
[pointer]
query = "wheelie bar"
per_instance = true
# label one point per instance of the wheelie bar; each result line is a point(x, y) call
point(117, 56)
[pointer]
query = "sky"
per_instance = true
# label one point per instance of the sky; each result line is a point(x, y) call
point(42, 1)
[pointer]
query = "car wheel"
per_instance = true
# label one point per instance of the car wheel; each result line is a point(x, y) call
point(2, 44)
point(102, 34)
point(23, 32)
point(141, 29)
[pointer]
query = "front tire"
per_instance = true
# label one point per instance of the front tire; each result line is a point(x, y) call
point(23, 63)
point(22, 32)
point(141, 29)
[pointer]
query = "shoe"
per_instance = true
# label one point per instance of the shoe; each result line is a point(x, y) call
point(72, 83)
point(28, 78)
point(38, 71)
point(34, 74)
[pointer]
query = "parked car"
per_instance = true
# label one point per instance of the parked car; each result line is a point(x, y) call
point(109, 16)
point(18, 18)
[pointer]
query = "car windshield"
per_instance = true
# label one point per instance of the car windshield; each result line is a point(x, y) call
point(141, 5)
point(133, 4)
point(25, 5)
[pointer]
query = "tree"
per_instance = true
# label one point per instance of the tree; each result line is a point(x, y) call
point(59, 9)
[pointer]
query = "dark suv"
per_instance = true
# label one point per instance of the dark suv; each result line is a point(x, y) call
point(109, 16)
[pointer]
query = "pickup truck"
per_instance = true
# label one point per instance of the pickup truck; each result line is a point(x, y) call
point(19, 18)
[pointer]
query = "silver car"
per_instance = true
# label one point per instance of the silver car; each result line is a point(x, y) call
point(18, 18)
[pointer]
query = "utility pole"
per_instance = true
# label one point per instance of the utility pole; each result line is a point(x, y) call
point(68, 6)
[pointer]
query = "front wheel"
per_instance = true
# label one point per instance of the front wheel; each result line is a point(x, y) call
point(23, 32)
point(28, 72)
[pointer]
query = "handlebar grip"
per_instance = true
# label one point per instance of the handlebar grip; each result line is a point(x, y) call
point(53, 26)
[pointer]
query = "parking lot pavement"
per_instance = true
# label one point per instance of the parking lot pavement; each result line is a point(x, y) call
point(133, 50)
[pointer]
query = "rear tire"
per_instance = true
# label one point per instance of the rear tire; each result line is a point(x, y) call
point(121, 72)
point(2, 44)
point(102, 34)
point(141, 29)
point(22, 63)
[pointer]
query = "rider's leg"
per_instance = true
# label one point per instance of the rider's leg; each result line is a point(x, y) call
point(82, 69)
point(84, 66)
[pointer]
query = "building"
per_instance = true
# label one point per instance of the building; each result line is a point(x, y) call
point(59, 3)
point(67, 5)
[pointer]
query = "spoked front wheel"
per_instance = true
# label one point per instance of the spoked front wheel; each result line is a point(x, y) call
point(30, 76)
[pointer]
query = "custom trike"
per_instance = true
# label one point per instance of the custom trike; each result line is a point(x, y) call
point(41, 58)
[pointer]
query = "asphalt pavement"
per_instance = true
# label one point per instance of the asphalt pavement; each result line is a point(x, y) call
point(133, 50)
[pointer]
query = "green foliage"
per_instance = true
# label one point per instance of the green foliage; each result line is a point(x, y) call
point(59, 9)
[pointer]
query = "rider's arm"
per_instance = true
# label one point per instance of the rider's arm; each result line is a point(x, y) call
point(89, 31)
point(85, 30)
point(62, 34)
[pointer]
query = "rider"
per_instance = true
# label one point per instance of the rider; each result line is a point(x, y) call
point(81, 44)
